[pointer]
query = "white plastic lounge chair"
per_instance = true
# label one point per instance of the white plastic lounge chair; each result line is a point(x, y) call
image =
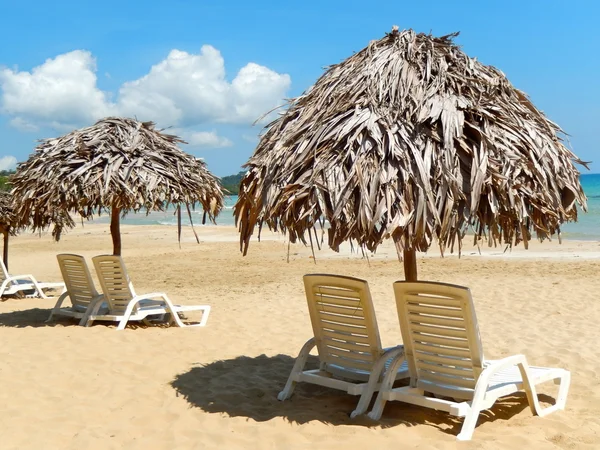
point(11, 284)
point(124, 304)
point(445, 358)
point(347, 340)
point(80, 289)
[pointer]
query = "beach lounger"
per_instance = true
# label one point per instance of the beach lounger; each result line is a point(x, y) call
point(445, 359)
point(124, 304)
point(80, 289)
point(12, 284)
point(347, 340)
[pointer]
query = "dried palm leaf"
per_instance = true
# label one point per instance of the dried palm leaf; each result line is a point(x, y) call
point(119, 165)
point(413, 140)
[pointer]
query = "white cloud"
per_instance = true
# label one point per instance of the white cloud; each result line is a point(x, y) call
point(253, 90)
point(8, 163)
point(182, 90)
point(189, 89)
point(62, 90)
point(208, 139)
point(22, 125)
point(253, 138)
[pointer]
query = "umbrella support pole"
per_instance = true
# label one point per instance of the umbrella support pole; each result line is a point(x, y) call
point(410, 265)
point(5, 250)
point(115, 230)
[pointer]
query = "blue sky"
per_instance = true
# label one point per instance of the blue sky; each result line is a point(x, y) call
point(209, 69)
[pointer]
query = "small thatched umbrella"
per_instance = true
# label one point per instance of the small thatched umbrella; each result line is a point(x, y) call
point(117, 164)
point(8, 222)
point(410, 139)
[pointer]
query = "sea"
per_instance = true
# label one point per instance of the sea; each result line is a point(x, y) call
point(587, 228)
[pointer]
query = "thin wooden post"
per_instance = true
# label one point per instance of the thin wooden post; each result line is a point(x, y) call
point(115, 230)
point(5, 251)
point(410, 265)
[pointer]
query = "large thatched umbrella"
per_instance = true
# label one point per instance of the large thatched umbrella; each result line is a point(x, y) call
point(117, 164)
point(410, 139)
point(7, 222)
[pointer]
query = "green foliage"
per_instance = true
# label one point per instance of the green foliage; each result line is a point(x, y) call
point(4, 179)
point(232, 183)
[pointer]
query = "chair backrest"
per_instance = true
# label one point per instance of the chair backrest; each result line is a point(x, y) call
point(116, 286)
point(3, 272)
point(441, 337)
point(4, 276)
point(343, 321)
point(77, 278)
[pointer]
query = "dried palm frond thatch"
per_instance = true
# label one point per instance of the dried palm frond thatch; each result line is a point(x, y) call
point(8, 219)
point(8, 222)
point(410, 139)
point(118, 164)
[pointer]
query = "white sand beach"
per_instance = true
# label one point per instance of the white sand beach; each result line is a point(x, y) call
point(69, 387)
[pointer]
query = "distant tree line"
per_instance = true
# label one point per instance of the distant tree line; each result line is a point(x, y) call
point(232, 183)
point(4, 179)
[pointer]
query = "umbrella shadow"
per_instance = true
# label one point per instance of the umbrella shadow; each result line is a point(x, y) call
point(35, 318)
point(248, 387)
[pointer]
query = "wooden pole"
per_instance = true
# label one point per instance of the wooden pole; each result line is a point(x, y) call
point(410, 265)
point(115, 230)
point(5, 252)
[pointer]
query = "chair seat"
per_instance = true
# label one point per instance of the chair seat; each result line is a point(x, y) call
point(510, 378)
point(363, 375)
point(504, 382)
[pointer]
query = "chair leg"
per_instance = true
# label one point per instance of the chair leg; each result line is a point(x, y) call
point(173, 311)
point(563, 390)
point(88, 319)
point(386, 385)
point(564, 381)
point(127, 314)
point(92, 309)
point(123, 322)
point(3, 287)
point(57, 306)
point(374, 378)
point(38, 288)
point(466, 432)
point(205, 313)
point(288, 390)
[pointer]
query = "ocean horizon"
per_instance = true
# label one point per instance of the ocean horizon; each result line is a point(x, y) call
point(586, 228)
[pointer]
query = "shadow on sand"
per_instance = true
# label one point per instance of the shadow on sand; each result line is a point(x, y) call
point(248, 387)
point(35, 317)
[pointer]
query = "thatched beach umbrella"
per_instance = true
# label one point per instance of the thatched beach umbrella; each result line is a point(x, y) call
point(119, 165)
point(410, 139)
point(7, 222)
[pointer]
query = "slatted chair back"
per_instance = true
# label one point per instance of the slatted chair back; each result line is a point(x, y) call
point(343, 320)
point(3, 272)
point(116, 286)
point(77, 278)
point(441, 337)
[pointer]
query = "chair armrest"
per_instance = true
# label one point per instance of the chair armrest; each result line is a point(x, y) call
point(501, 364)
point(139, 298)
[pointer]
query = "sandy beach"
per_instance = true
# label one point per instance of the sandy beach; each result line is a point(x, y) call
point(69, 387)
